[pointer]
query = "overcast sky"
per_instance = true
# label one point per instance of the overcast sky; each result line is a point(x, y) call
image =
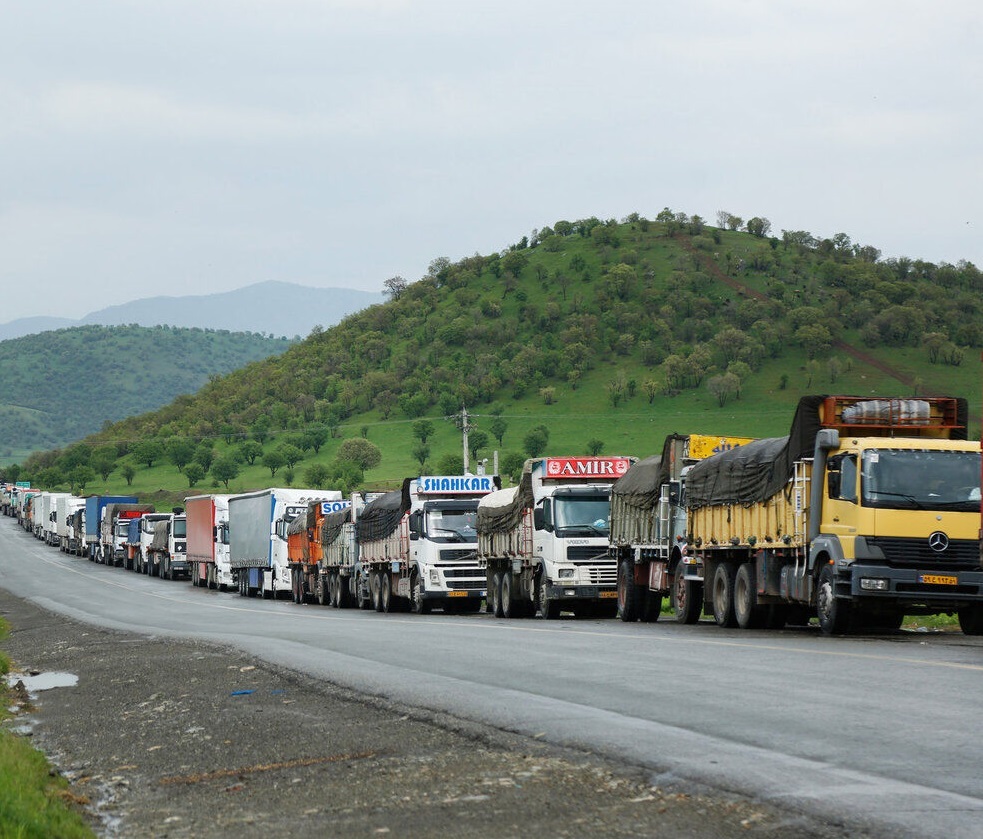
point(180, 147)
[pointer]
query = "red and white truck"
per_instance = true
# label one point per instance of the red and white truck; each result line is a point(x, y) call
point(544, 543)
point(208, 541)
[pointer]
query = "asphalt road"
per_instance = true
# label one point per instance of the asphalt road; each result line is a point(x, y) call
point(878, 731)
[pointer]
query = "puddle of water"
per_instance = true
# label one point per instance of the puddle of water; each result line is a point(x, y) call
point(43, 681)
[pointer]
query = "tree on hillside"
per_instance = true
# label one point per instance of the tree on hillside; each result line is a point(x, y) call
point(595, 447)
point(394, 287)
point(128, 473)
point(80, 477)
point(317, 476)
point(423, 430)
point(147, 451)
point(536, 441)
point(316, 436)
point(420, 452)
point(194, 472)
point(273, 460)
point(723, 387)
point(249, 450)
point(450, 464)
point(291, 454)
point(204, 455)
point(261, 428)
point(498, 427)
point(477, 440)
point(225, 469)
point(180, 451)
point(363, 453)
point(104, 464)
point(759, 227)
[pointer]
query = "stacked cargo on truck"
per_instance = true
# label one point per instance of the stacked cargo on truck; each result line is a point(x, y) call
point(544, 543)
point(868, 511)
point(305, 551)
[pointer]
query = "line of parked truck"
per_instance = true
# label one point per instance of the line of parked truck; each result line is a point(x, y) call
point(869, 510)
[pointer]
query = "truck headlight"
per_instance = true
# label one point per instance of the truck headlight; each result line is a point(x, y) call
point(566, 574)
point(434, 576)
point(874, 584)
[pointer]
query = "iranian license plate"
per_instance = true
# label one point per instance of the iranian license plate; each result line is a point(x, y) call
point(938, 579)
point(608, 594)
point(457, 594)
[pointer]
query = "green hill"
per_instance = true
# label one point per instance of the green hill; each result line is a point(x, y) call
point(608, 334)
point(59, 386)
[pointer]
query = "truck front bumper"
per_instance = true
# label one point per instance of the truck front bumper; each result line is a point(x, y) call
point(916, 585)
point(558, 592)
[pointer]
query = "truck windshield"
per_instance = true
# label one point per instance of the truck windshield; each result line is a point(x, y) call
point(579, 515)
point(452, 525)
point(180, 529)
point(122, 527)
point(912, 479)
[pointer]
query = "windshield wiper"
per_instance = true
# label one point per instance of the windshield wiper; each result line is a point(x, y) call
point(909, 498)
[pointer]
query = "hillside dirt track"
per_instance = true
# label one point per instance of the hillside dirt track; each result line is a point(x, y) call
point(165, 738)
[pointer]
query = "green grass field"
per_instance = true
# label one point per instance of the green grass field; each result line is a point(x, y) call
point(34, 803)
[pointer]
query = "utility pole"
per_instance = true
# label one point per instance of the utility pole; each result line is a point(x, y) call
point(465, 428)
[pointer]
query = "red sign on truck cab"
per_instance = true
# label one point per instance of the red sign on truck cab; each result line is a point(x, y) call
point(574, 468)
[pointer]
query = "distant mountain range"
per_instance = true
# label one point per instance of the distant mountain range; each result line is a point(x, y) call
point(275, 308)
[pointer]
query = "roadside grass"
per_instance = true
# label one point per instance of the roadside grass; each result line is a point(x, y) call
point(35, 803)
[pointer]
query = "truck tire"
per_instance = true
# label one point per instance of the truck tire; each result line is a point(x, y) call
point(971, 620)
point(651, 607)
point(835, 615)
point(687, 598)
point(506, 598)
point(418, 605)
point(630, 596)
point(747, 612)
point(548, 609)
point(723, 595)
point(494, 596)
point(385, 593)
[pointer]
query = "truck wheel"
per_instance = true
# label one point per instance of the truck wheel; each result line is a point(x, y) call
point(506, 598)
point(971, 620)
point(321, 590)
point(651, 606)
point(418, 605)
point(835, 616)
point(629, 594)
point(295, 585)
point(494, 596)
point(723, 595)
point(385, 593)
point(747, 612)
point(687, 598)
point(548, 609)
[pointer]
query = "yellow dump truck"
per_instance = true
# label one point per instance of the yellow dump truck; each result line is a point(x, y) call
point(869, 510)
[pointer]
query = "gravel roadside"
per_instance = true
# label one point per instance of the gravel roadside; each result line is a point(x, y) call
point(165, 738)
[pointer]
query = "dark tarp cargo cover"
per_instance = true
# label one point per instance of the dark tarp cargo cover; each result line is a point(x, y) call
point(381, 516)
point(756, 470)
point(759, 470)
point(501, 511)
point(332, 524)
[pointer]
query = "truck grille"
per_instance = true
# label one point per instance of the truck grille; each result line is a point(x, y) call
point(452, 554)
point(594, 562)
point(916, 553)
point(464, 578)
point(580, 554)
